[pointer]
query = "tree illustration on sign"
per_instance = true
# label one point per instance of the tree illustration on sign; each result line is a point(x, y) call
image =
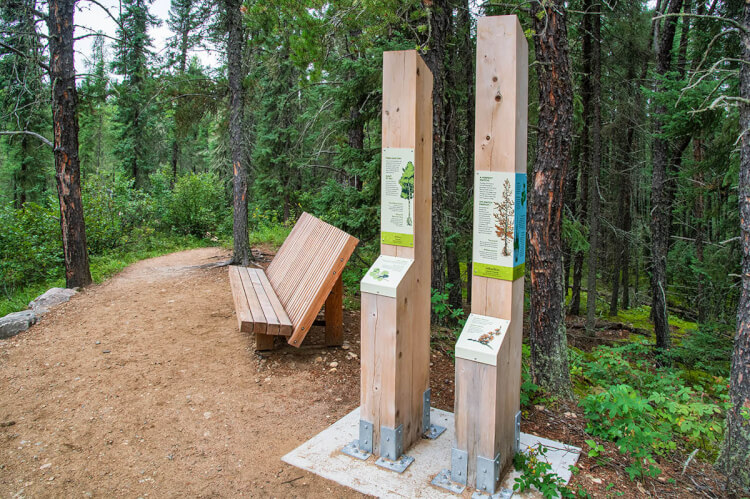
point(407, 187)
point(504, 214)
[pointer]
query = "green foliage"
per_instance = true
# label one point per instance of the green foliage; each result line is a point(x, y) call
point(196, 205)
point(649, 411)
point(30, 247)
point(265, 228)
point(537, 473)
point(443, 310)
point(707, 348)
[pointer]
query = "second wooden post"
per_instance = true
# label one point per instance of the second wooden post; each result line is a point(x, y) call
point(488, 352)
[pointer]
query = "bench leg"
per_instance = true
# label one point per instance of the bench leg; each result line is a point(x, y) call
point(264, 341)
point(334, 314)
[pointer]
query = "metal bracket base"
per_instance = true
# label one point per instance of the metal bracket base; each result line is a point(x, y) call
point(443, 480)
point(352, 449)
point(459, 465)
point(365, 436)
point(433, 432)
point(503, 494)
point(488, 473)
point(391, 442)
point(399, 466)
point(517, 443)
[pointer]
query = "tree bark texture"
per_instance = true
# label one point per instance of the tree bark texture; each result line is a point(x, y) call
point(440, 13)
point(595, 162)
point(660, 205)
point(734, 458)
point(585, 155)
point(467, 59)
point(549, 351)
point(242, 254)
point(65, 129)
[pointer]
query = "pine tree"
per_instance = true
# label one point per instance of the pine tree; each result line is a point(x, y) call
point(132, 55)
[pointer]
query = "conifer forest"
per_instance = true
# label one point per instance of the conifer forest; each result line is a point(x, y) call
point(194, 124)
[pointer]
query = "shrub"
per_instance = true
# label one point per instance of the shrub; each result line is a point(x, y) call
point(196, 205)
point(30, 245)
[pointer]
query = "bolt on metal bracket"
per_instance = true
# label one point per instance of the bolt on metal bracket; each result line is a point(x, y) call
point(352, 449)
point(459, 465)
point(488, 473)
point(399, 465)
point(443, 480)
point(365, 436)
point(431, 431)
point(391, 442)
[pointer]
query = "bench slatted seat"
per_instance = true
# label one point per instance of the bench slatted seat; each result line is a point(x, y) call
point(304, 275)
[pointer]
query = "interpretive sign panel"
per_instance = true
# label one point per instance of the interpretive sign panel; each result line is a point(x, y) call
point(499, 224)
point(384, 275)
point(397, 197)
point(481, 338)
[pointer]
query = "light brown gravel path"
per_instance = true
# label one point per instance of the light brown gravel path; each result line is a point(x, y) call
point(143, 386)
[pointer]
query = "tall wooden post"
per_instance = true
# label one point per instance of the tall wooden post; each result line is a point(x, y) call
point(488, 352)
point(395, 407)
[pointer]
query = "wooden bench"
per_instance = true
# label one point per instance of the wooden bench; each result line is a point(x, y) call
point(286, 298)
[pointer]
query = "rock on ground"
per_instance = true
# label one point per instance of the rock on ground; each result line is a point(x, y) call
point(53, 296)
point(17, 322)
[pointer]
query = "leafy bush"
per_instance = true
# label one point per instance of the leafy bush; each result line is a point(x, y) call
point(196, 205)
point(444, 311)
point(30, 246)
point(113, 209)
point(649, 411)
point(537, 473)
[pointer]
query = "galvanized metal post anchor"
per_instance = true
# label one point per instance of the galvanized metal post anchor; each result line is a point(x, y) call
point(488, 473)
point(362, 447)
point(392, 448)
point(431, 431)
point(502, 494)
point(455, 478)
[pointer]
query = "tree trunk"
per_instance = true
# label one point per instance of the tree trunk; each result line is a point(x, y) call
point(594, 211)
point(734, 458)
point(660, 205)
point(549, 351)
point(242, 254)
point(440, 14)
point(585, 155)
point(467, 60)
point(65, 126)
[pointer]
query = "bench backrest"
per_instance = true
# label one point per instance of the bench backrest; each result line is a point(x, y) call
point(305, 269)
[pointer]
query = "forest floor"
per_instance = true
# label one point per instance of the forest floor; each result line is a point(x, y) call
point(143, 386)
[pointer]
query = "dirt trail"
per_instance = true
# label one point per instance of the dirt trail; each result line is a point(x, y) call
point(143, 386)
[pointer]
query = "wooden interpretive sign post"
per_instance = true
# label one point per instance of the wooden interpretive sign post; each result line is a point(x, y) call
point(395, 355)
point(488, 352)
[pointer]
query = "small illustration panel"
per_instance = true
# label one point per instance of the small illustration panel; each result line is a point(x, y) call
point(499, 225)
point(481, 338)
point(384, 275)
point(397, 197)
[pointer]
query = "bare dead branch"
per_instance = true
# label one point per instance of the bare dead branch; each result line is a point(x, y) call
point(42, 138)
point(734, 23)
point(26, 56)
point(106, 10)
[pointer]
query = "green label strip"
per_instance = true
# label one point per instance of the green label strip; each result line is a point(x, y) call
point(397, 239)
point(497, 272)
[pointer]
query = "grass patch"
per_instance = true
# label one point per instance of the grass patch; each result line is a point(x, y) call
point(273, 234)
point(104, 266)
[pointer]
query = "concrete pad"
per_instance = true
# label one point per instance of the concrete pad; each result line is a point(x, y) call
point(322, 455)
